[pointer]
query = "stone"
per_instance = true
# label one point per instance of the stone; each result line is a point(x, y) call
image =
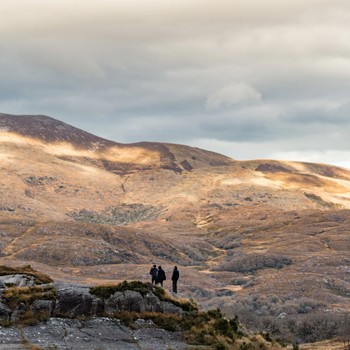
point(169, 308)
point(18, 280)
point(125, 301)
point(152, 303)
point(97, 333)
point(76, 301)
point(5, 312)
point(43, 307)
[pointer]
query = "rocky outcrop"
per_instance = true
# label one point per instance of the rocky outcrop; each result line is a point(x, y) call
point(19, 280)
point(74, 301)
point(42, 302)
point(96, 333)
point(134, 302)
point(66, 316)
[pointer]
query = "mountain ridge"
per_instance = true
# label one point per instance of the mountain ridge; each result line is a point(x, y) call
point(52, 131)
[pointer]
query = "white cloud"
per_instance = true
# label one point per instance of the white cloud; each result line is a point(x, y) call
point(233, 94)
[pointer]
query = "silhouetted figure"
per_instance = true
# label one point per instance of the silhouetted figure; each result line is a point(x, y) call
point(175, 277)
point(161, 276)
point(154, 273)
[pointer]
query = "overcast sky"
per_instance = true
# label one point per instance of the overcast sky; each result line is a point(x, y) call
point(246, 78)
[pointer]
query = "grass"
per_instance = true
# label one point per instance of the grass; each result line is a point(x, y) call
point(25, 296)
point(15, 296)
point(198, 328)
point(106, 291)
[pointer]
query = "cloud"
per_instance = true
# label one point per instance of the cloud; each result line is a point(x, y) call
point(231, 95)
point(260, 76)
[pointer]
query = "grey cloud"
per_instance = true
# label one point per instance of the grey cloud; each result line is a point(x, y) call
point(135, 71)
point(332, 117)
point(233, 94)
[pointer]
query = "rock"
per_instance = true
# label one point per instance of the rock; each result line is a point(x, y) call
point(5, 312)
point(134, 302)
point(159, 339)
point(43, 307)
point(169, 308)
point(125, 301)
point(97, 333)
point(18, 280)
point(72, 332)
point(75, 301)
point(9, 338)
point(152, 303)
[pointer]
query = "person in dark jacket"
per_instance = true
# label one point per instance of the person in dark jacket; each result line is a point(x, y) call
point(175, 277)
point(161, 276)
point(154, 273)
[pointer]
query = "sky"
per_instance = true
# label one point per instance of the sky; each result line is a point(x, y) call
point(250, 79)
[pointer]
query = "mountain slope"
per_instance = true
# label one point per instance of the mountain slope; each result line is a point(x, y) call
point(72, 144)
point(91, 210)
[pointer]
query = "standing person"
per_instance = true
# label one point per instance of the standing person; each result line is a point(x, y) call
point(161, 276)
point(175, 277)
point(154, 273)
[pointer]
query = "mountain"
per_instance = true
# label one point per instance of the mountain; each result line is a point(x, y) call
point(260, 237)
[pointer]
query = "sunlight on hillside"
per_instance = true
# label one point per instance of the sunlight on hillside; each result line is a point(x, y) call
point(127, 155)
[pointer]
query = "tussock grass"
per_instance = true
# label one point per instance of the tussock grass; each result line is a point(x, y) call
point(26, 295)
point(105, 291)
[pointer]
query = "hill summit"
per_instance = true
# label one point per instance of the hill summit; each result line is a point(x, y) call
point(113, 156)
